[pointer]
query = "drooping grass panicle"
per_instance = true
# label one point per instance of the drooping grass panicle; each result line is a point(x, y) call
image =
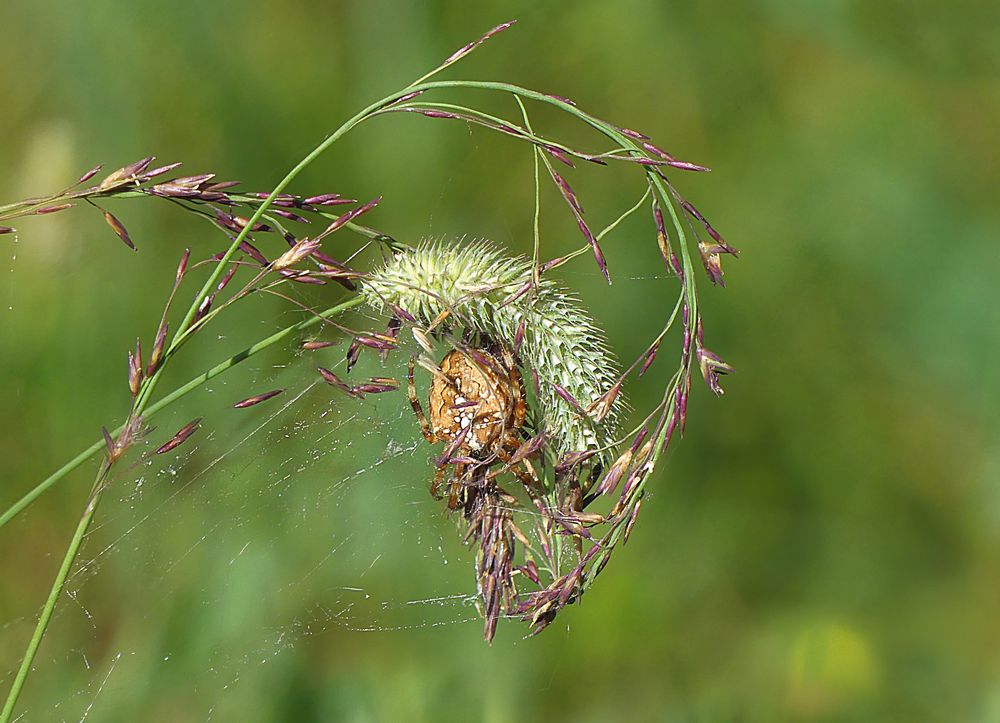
point(508, 298)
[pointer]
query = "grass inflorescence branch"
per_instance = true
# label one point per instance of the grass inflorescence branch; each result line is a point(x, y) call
point(576, 471)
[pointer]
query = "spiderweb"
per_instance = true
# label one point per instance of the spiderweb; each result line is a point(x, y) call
point(301, 523)
point(305, 517)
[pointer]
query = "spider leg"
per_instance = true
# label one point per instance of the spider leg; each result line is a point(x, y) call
point(456, 498)
point(425, 426)
point(508, 357)
point(525, 474)
point(436, 484)
point(518, 409)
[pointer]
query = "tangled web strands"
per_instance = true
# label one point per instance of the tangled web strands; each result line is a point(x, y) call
point(475, 282)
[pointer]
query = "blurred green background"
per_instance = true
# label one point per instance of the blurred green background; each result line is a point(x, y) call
point(824, 544)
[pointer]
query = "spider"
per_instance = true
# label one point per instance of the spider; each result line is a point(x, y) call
point(477, 407)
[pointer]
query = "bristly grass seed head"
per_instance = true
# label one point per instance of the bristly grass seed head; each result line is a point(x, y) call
point(487, 291)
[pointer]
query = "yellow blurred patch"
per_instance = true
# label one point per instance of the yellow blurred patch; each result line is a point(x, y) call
point(831, 667)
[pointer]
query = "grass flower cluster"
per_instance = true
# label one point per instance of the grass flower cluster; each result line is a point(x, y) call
point(579, 451)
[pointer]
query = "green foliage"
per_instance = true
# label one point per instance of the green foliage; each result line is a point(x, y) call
point(823, 543)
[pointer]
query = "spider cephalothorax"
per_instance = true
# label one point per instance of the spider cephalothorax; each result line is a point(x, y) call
point(477, 408)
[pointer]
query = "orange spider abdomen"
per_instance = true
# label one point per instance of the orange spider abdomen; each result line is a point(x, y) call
point(469, 393)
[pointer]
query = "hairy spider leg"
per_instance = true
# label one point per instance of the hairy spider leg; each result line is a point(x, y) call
point(425, 426)
point(525, 475)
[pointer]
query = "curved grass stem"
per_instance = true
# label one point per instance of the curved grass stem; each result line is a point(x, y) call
point(519, 92)
point(175, 395)
point(57, 587)
point(142, 408)
point(98, 490)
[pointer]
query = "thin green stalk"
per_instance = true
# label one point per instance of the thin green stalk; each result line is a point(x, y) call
point(667, 198)
point(614, 224)
point(183, 331)
point(50, 603)
point(38, 489)
point(536, 229)
point(173, 396)
point(94, 499)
